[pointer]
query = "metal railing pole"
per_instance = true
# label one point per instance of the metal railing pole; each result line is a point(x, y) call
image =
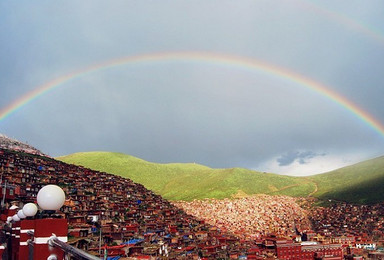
point(75, 252)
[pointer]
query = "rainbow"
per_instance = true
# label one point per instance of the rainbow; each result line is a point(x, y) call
point(210, 58)
point(359, 27)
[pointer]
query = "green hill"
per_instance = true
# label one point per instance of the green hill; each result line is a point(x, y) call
point(192, 181)
point(359, 183)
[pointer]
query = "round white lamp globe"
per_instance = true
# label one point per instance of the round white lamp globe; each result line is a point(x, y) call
point(15, 218)
point(52, 257)
point(50, 197)
point(21, 214)
point(30, 209)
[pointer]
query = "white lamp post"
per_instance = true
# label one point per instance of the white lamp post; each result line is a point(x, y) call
point(50, 197)
point(15, 218)
point(52, 257)
point(21, 214)
point(30, 209)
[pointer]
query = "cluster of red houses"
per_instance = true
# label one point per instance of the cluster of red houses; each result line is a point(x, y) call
point(252, 217)
point(127, 219)
point(346, 219)
point(130, 219)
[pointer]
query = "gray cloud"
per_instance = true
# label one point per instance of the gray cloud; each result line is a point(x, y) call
point(301, 157)
point(190, 111)
point(287, 158)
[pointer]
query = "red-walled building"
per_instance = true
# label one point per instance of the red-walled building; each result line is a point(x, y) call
point(309, 251)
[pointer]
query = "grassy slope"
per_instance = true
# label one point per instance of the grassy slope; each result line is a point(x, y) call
point(191, 181)
point(359, 183)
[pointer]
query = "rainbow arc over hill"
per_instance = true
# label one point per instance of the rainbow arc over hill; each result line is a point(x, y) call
point(235, 62)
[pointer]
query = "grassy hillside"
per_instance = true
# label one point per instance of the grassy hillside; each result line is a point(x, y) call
point(192, 181)
point(358, 183)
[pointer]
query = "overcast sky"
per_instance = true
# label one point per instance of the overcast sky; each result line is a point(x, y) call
point(196, 111)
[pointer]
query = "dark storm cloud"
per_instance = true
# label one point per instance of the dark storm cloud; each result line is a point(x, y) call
point(300, 157)
point(287, 158)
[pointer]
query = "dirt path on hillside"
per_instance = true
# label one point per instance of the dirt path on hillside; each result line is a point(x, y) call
point(316, 188)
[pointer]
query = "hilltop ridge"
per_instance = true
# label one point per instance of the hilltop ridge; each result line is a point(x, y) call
point(192, 181)
point(358, 183)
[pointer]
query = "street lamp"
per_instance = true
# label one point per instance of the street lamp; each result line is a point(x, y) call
point(50, 197)
point(21, 214)
point(9, 219)
point(49, 235)
point(30, 209)
point(15, 218)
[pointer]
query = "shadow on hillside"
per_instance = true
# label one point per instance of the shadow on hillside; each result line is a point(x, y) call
point(368, 192)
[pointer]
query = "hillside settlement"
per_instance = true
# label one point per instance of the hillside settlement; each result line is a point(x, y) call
point(132, 222)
